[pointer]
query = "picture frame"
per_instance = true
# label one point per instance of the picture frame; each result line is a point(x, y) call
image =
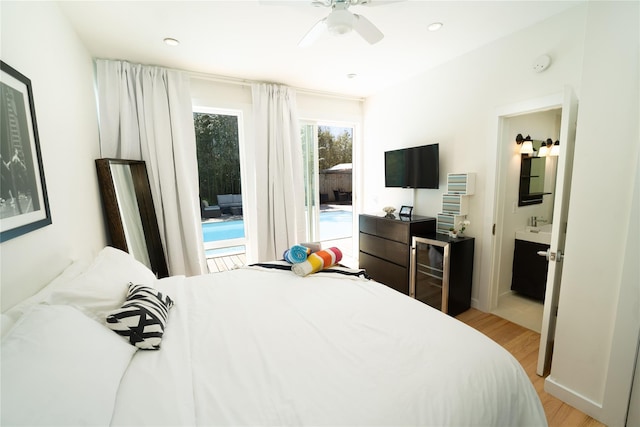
point(405, 211)
point(24, 205)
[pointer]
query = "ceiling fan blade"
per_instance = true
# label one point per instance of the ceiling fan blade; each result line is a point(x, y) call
point(374, 3)
point(321, 3)
point(366, 29)
point(314, 33)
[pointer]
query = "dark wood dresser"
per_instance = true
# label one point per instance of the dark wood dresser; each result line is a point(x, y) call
point(385, 247)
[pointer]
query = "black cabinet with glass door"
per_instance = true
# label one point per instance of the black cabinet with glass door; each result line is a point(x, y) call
point(442, 272)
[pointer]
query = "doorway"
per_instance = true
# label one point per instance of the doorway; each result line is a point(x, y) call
point(567, 104)
point(218, 150)
point(328, 181)
point(528, 221)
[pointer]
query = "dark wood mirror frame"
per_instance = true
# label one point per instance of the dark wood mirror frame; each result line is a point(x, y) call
point(145, 208)
point(531, 176)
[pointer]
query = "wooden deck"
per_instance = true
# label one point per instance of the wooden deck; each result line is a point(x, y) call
point(229, 262)
point(225, 263)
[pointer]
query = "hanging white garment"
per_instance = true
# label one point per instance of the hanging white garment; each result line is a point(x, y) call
point(145, 114)
point(279, 178)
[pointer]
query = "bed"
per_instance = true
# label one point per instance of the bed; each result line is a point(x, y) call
point(253, 346)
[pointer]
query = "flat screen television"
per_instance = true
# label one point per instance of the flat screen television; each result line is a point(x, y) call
point(415, 167)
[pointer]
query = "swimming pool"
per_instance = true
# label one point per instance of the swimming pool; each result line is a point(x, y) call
point(334, 224)
point(223, 230)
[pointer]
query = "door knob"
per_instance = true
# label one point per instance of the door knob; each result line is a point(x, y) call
point(552, 256)
point(545, 253)
point(556, 256)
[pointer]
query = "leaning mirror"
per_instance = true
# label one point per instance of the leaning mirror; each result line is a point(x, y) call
point(129, 210)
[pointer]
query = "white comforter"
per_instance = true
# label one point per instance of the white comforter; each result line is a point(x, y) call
point(266, 347)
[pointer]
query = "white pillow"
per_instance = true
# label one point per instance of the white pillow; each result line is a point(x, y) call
point(103, 287)
point(59, 367)
point(10, 317)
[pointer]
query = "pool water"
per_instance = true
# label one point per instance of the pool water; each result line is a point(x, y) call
point(334, 224)
point(215, 231)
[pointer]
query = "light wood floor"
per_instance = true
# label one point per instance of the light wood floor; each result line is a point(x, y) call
point(523, 344)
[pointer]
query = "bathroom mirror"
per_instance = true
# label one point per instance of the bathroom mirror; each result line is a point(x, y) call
point(131, 217)
point(534, 173)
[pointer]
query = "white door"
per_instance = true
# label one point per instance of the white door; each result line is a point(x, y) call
point(558, 229)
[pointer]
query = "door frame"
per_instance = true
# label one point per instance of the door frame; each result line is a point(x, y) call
point(495, 200)
point(313, 214)
point(559, 100)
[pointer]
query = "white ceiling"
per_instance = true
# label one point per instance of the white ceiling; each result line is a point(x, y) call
point(257, 40)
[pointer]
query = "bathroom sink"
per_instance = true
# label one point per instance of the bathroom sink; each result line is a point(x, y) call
point(540, 234)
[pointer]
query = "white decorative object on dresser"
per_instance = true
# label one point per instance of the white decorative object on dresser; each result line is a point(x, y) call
point(455, 205)
point(461, 183)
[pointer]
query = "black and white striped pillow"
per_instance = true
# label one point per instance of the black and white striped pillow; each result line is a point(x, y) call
point(142, 318)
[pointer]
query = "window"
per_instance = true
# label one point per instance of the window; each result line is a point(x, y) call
point(218, 152)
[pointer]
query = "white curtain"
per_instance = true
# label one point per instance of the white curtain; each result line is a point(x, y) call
point(279, 178)
point(145, 114)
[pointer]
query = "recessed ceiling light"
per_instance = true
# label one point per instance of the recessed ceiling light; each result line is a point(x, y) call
point(435, 26)
point(171, 42)
point(352, 75)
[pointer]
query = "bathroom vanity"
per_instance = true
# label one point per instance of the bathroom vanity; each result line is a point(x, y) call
point(529, 274)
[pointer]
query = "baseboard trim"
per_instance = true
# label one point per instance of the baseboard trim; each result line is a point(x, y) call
point(578, 401)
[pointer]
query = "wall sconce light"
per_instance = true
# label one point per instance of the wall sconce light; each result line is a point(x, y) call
point(545, 148)
point(526, 144)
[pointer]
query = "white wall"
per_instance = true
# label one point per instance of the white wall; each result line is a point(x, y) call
point(455, 106)
point(37, 41)
point(599, 308)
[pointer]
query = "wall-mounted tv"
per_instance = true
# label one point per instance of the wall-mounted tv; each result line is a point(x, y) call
point(415, 167)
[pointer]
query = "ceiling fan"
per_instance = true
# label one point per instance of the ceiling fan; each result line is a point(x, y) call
point(342, 21)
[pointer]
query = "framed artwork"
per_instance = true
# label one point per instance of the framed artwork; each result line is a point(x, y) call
point(406, 211)
point(24, 206)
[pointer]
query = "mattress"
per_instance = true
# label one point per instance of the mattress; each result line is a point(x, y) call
point(266, 347)
point(253, 347)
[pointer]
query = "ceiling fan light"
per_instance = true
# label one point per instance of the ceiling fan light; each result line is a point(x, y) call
point(340, 21)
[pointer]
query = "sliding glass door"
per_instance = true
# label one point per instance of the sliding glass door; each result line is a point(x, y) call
point(328, 151)
point(218, 151)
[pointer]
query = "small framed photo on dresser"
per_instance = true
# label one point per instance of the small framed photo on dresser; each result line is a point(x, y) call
point(405, 211)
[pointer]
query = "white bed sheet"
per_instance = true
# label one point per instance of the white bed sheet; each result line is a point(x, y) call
point(266, 347)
